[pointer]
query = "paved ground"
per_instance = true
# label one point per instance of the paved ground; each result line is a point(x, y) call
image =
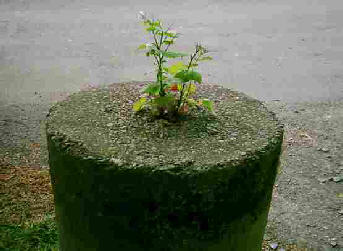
point(290, 51)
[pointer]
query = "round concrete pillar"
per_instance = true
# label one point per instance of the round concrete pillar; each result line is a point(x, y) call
point(123, 181)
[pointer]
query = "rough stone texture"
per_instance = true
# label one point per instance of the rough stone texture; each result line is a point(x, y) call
point(101, 123)
point(121, 179)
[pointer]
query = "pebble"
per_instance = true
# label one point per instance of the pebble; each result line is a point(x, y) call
point(273, 245)
point(116, 161)
point(291, 241)
point(323, 149)
point(333, 243)
point(323, 180)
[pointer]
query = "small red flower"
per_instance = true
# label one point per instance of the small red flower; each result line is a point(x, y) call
point(174, 88)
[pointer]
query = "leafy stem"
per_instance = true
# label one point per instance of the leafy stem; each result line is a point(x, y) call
point(163, 97)
point(197, 49)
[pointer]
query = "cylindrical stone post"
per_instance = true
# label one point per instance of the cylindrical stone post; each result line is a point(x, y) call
point(123, 181)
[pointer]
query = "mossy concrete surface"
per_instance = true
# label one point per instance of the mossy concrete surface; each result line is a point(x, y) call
point(124, 181)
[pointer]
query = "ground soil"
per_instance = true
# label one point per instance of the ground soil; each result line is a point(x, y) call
point(307, 201)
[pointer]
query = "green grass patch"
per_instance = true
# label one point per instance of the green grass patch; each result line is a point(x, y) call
point(31, 236)
point(27, 220)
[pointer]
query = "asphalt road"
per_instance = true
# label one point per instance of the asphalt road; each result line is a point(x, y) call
point(271, 49)
point(290, 51)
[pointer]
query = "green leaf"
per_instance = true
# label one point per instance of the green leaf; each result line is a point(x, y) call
point(171, 34)
point(164, 101)
point(157, 23)
point(186, 76)
point(138, 105)
point(182, 75)
point(175, 68)
point(142, 47)
point(173, 80)
point(151, 28)
point(152, 51)
point(168, 42)
point(208, 104)
point(172, 54)
point(205, 58)
point(196, 76)
point(152, 89)
point(191, 88)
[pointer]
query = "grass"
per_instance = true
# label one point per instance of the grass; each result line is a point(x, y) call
point(33, 236)
point(27, 220)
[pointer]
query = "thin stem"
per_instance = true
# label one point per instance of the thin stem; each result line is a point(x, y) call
point(159, 63)
point(156, 44)
point(183, 84)
point(167, 37)
point(162, 93)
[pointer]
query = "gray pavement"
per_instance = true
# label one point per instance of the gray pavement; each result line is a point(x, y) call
point(271, 49)
point(290, 51)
